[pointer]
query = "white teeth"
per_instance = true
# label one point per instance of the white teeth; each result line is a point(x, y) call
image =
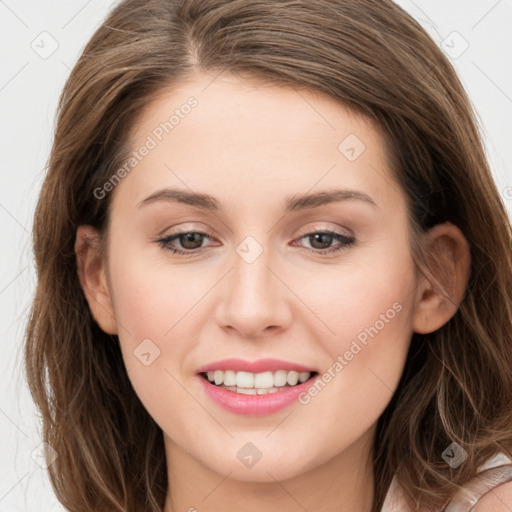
point(280, 378)
point(256, 383)
point(303, 376)
point(218, 376)
point(246, 391)
point(264, 380)
point(229, 378)
point(293, 377)
point(244, 380)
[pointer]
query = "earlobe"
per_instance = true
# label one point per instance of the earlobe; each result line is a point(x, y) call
point(91, 266)
point(443, 283)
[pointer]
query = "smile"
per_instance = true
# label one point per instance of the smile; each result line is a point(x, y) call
point(256, 383)
point(257, 387)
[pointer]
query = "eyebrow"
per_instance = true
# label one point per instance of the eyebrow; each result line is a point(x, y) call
point(293, 203)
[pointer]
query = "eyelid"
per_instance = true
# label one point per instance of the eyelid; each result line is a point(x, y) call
point(315, 228)
point(185, 228)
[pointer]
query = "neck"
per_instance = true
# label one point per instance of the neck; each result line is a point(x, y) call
point(343, 483)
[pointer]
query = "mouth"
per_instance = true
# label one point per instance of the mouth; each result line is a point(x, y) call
point(256, 394)
point(263, 383)
point(255, 388)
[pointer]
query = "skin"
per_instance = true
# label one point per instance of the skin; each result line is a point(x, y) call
point(251, 145)
point(498, 499)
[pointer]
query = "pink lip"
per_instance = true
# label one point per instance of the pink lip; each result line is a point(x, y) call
point(255, 405)
point(259, 366)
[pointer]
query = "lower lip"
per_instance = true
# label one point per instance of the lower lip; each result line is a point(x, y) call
point(254, 405)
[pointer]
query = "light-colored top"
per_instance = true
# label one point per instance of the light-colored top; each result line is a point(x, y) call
point(495, 471)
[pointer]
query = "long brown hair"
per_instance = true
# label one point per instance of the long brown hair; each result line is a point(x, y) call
point(371, 56)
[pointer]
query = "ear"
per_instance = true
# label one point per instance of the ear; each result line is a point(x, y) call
point(93, 278)
point(443, 283)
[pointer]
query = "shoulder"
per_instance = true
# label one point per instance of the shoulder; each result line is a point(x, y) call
point(489, 491)
point(498, 499)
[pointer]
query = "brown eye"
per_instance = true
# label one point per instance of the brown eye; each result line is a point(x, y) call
point(191, 240)
point(321, 242)
point(188, 242)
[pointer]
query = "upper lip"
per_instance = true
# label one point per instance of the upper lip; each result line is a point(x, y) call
point(258, 366)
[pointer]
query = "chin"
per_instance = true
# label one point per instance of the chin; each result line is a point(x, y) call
point(264, 473)
point(271, 465)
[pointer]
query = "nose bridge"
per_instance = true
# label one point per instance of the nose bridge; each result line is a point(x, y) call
point(254, 299)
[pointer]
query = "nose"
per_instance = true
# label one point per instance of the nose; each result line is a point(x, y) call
point(255, 299)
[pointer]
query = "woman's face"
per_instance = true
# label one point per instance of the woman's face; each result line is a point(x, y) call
point(260, 278)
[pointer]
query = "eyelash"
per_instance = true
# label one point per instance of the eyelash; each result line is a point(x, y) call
point(346, 242)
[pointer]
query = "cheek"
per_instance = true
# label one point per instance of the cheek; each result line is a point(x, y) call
point(368, 311)
point(363, 300)
point(156, 337)
point(149, 295)
point(153, 305)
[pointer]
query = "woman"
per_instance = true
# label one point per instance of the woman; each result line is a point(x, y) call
point(328, 330)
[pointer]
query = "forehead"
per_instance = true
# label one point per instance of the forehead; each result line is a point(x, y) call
point(256, 139)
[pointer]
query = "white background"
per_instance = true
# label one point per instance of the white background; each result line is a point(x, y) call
point(29, 89)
